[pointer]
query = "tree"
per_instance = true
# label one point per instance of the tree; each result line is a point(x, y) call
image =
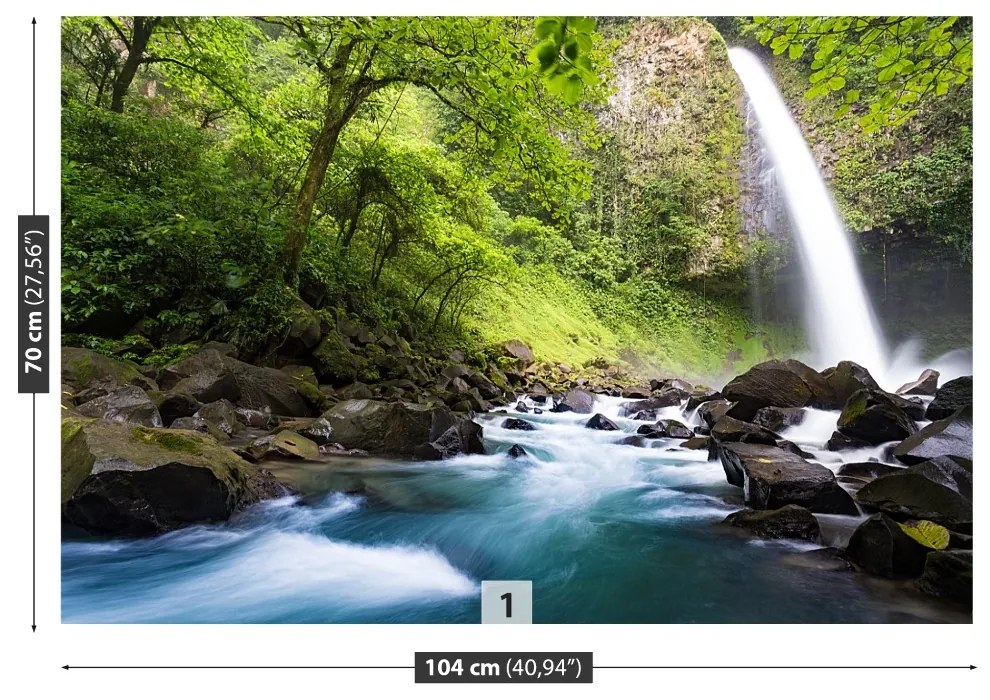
point(476, 66)
point(891, 63)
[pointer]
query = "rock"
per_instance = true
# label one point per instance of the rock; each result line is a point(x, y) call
point(460, 438)
point(711, 411)
point(522, 408)
point(776, 419)
point(600, 422)
point(867, 471)
point(319, 431)
point(662, 385)
point(949, 574)
point(666, 428)
point(787, 522)
point(520, 352)
point(729, 429)
point(579, 401)
point(782, 383)
point(517, 452)
point(948, 436)
point(671, 397)
point(133, 480)
point(838, 442)
point(794, 449)
point(172, 406)
point(304, 330)
point(881, 547)
point(124, 404)
point(951, 397)
point(357, 390)
point(537, 411)
point(82, 368)
point(925, 385)
point(399, 428)
point(634, 441)
point(485, 386)
point(253, 418)
point(699, 397)
point(228, 349)
point(209, 376)
point(636, 392)
point(846, 378)
point(698, 442)
point(197, 424)
point(286, 444)
point(517, 424)
point(222, 416)
point(772, 477)
point(940, 490)
point(871, 416)
point(335, 361)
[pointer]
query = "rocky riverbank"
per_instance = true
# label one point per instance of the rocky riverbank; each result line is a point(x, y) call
point(147, 451)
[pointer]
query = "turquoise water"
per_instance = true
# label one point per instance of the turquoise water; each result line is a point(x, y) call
point(606, 532)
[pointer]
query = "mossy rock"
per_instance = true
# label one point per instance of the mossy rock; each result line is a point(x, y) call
point(82, 367)
point(121, 480)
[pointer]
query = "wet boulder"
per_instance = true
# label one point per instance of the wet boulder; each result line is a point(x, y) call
point(286, 444)
point(254, 418)
point(520, 353)
point(729, 429)
point(517, 452)
point(700, 396)
point(600, 422)
point(880, 546)
point(951, 397)
point(670, 397)
point(579, 401)
point(846, 378)
point(222, 416)
point(634, 441)
point(134, 480)
point(461, 437)
point(123, 404)
point(772, 477)
point(172, 406)
point(698, 442)
point(485, 386)
point(782, 383)
point(776, 419)
point(952, 436)
point(666, 428)
point(940, 490)
point(867, 471)
point(839, 442)
point(636, 392)
point(320, 431)
point(949, 574)
point(925, 385)
point(873, 417)
point(394, 428)
point(517, 424)
point(711, 411)
point(786, 522)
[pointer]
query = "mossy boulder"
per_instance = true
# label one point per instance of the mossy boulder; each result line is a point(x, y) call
point(872, 416)
point(846, 378)
point(286, 444)
point(880, 546)
point(335, 361)
point(133, 480)
point(82, 368)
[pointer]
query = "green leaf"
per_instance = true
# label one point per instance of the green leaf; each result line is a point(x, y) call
point(836, 82)
point(795, 51)
point(548, 26)
point(926, 533)
point(852, 96)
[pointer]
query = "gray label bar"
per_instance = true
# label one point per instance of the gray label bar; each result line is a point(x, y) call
point(503, 667)
point(33, 287)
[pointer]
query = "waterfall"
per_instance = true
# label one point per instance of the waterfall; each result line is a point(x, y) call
point(838, 317)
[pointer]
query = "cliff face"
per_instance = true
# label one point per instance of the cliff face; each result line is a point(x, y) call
point(668, 186)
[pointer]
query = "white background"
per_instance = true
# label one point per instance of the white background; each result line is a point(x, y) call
point(32, 661)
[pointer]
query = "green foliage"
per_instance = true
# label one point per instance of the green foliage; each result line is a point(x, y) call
point(894, 64)
point(564, 55)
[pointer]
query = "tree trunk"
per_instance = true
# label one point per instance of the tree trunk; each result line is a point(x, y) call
point(143, 27)
point(302, 214)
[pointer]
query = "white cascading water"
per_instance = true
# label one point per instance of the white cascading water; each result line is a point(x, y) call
point(838, 316)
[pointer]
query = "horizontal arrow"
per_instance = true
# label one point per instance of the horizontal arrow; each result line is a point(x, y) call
point(333, 668)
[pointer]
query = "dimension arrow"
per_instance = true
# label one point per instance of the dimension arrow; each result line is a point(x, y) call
point(34, 211)
point(666, 668)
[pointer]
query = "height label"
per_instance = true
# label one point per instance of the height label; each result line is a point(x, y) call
point(503, 667)
point(33, 275)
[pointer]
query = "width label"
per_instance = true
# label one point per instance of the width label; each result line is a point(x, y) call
point(33, 284)
point(503, 667)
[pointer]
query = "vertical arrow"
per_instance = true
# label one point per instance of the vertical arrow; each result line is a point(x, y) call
point(34, 454)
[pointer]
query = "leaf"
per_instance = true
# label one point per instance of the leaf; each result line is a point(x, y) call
point(926, 533)
point(547, 27)
point(836, 82)
point(795, 51)
point(852, 96)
